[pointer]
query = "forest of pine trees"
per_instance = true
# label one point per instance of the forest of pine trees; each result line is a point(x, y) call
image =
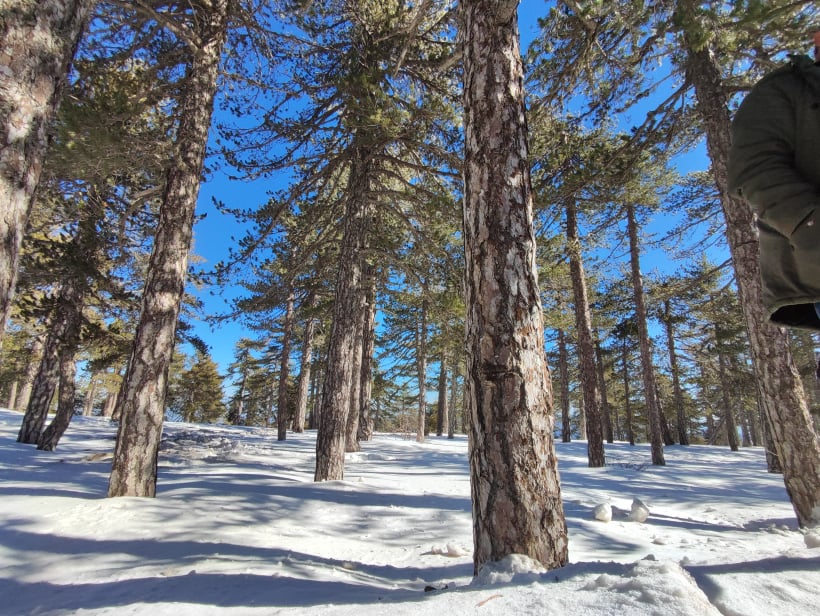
point(458, 235)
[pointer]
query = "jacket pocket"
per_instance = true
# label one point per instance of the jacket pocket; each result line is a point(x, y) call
point(806, 236)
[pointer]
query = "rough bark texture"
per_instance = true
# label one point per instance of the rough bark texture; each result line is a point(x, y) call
point(647, 371)
point(586, 345)
point(37, 44)
point(284, 371)
point(50, 437)
point(141, 400)
point(780, 391)
point(516, 493)
point(343, 345)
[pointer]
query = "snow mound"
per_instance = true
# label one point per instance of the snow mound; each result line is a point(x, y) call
point(517, 568)
point(640, 512)
point(603, 512)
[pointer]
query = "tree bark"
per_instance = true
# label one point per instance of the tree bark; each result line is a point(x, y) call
point(51, 436)
point(37, 43)
point(680, 414)
point(343, 345)
point(586, 346)
point(354, 416)
point(368, 349)
point(516, 494)
point(647, 371)
point(630, 430)
point(284, 371)
point(728, 414)
point(141, 400)
point(606, 411)
point(780, 391)
point(563, 374)
point(32, 367)
point(304, 374)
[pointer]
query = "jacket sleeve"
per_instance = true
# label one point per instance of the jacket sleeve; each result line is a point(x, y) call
point(761, 160)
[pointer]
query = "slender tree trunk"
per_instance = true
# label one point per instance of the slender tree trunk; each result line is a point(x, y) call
point(680, 413)
point(12, 394)
point(344, 345)
point(304, 375)
point(586, 345)
point(630, 431)
point(142, 395)
point(90, 392)
point(38, 40)
point(368, 349)
point(780, 390)
point(443, 415)
point(454, 374)
point(606, 411)
point(516, 494)
point(284, 371)
point(647, 371)
point(421, 374)
point(563, 374)
point(728, 413)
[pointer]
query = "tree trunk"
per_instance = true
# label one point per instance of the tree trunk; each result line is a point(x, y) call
point(354, 417)
point(647, 371)
point(454, 374)
point(142, 395)
point(516, 494)
point(284, 371)
point(344, 345)
point(586, 346)
point(606, 411)
point(780, 391)
point(630, 431)
point(90, 392)
point(65, 406)
point(680, 414)
point(304, 376)
point(563, 374)
point(12, 394)
point(421, 374)
point(368, 349)
point(38, 40)
point(443, 414)
point(728, 414)
point(32, 367)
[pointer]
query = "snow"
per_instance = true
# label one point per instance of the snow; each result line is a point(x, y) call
point(239, 527)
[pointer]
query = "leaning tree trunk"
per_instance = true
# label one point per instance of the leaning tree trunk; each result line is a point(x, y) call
point(586, 346)
point(37, 43)
point(652, 406)
point(141, 400)
point(32, 367)
point(48, 376)
point(516, 493)
point(421, 374)
point(563, 374)
point(284, 371)
point(343, 345)
point(780, 390)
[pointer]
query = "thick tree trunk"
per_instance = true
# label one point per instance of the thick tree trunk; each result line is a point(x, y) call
point(647, 371)
point(421, 374)
point(37, 44)
point(304, 375)
point(606, 411)
point(142, 396)
point(284, 371)
point(563, 377)
point(368, 349)
point(586, 345)
point(516, 493)
point(780, 390)
point(344, 345)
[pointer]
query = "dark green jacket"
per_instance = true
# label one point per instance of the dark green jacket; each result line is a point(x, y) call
point(775, 165)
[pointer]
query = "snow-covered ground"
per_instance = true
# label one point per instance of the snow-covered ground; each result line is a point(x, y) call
point(239, 527)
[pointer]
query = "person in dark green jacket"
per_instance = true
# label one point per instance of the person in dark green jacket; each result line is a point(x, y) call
point(774, 164)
